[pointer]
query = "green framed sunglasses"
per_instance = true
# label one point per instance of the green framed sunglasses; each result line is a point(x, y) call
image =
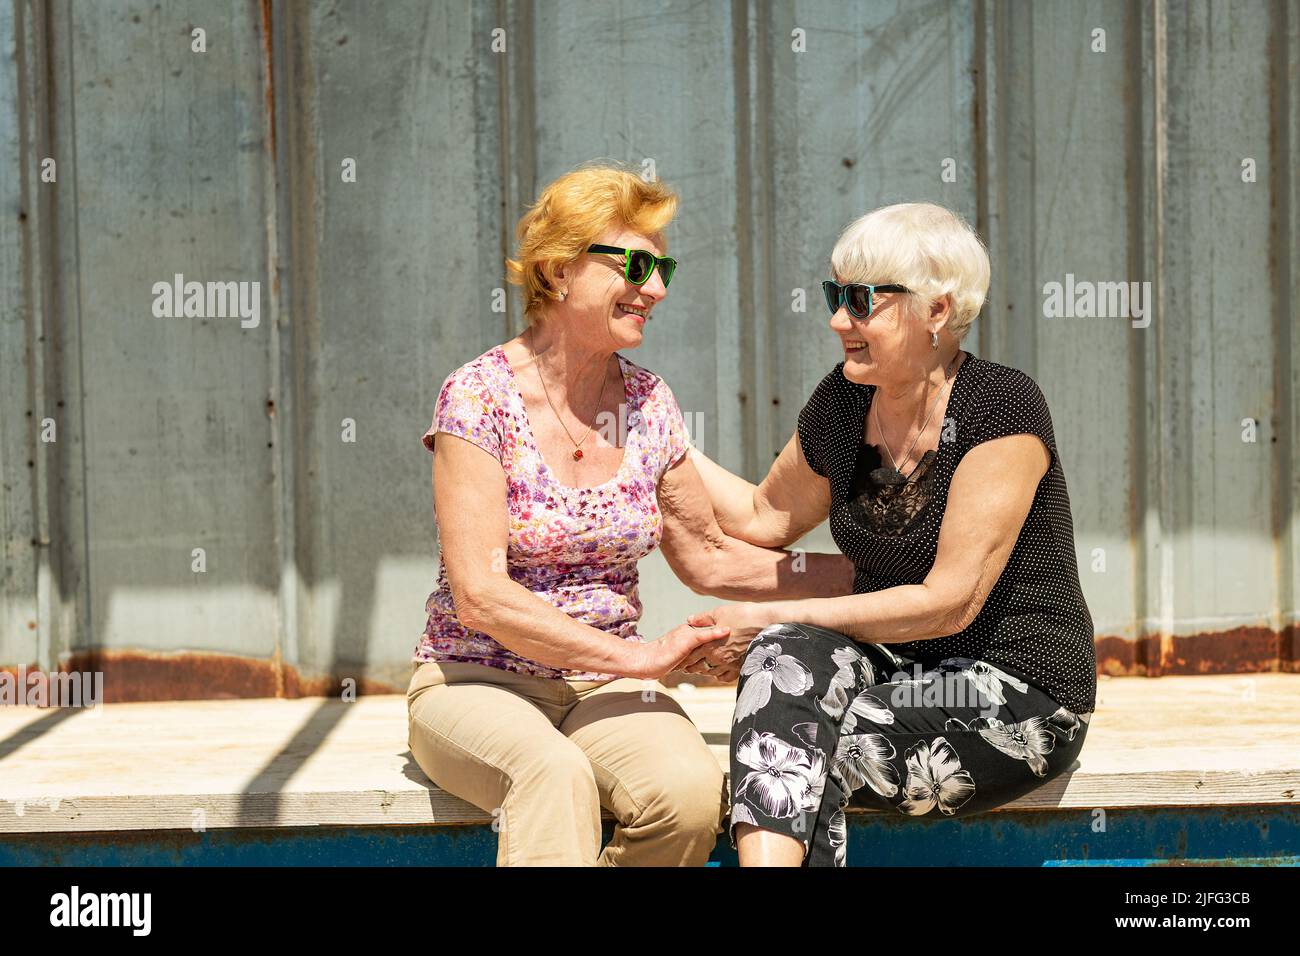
point(858, 298)
point(640, 264)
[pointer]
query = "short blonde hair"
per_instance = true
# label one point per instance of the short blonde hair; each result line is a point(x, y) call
point(571, 213)
point(929, 249)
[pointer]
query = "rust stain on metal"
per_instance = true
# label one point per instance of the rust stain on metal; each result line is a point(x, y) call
point(277, 670)
point(134, 676)
point(1289, 648)
point(1116, 656)
point(137, 676)
point(37, 680)
point(1235, 651)
point(1239, 650)
point(269, 74)
point(268, 94)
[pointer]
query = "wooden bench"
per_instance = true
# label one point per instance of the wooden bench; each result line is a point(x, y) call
point(1215, 741)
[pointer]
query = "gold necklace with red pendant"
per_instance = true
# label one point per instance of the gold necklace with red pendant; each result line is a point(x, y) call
point(577, 445)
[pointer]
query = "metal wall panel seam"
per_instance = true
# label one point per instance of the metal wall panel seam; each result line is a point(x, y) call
point(24, 474)
point(1160, 517)
point(1283, 130)
point(44, 476)
point(299, 289)
point(1139, 261)
point(518, 124)
point(64, 264)
point(988, 213)
point(753, 215)
point(280, 371)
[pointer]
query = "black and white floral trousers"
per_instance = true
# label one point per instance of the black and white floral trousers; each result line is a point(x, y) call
point(823, 722)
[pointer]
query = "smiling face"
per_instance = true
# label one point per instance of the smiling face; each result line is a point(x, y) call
point(930, 250)
point(610, 309)
point(883, 345)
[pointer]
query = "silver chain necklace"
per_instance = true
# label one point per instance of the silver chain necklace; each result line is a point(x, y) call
point(893, 476)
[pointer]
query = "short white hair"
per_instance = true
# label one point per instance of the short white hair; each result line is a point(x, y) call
point(930, 249)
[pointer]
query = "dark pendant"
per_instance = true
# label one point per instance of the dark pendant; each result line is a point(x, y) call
point(887, 477)
point(577, 454)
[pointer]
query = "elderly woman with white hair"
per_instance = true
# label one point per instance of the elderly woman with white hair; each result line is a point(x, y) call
point(960, 674)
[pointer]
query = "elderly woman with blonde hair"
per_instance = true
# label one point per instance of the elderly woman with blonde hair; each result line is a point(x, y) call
point(960, 673)
point(533, 695)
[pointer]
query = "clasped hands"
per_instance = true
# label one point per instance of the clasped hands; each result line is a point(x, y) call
point(721, 659)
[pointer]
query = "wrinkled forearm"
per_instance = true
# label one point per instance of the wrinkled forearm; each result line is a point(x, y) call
point(909, 612)
point(739, 571)
point(730, 496)
point(522, 622)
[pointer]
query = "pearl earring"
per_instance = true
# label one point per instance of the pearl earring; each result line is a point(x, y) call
point(563, 295)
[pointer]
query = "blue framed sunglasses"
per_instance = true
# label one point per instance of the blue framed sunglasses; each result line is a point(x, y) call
point(859, 299)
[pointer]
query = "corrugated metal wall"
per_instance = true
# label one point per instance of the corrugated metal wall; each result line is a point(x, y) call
point(778, 123)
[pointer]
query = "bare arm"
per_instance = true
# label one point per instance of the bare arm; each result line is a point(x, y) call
point(791, 501)
point(469, 491)
point(709, 561)
point(990, 495)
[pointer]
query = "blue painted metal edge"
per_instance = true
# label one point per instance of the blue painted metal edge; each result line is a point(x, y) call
point(1239, 836)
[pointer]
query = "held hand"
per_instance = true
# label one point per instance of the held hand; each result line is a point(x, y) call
point(703, 664)
point(699, 660)
point(654, 659)
point(722, 659)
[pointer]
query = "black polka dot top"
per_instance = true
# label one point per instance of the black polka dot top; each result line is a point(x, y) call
point(1035, 623)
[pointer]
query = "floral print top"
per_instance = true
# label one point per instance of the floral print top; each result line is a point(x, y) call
point(575, 548)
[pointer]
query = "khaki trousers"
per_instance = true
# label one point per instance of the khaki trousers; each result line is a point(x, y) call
point(543, 756)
